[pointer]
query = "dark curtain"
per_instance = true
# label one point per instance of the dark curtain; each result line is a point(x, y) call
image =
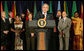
point(22, 6)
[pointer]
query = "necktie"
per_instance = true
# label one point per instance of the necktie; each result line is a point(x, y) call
point(63, 20)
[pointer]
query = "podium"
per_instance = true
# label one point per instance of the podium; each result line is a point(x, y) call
point(41, 32)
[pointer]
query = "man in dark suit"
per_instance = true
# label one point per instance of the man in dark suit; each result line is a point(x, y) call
point(11, 20)
point(58, 17)
point(45, 15)
point(4, 31)
point(55, 38)
point(11, 35)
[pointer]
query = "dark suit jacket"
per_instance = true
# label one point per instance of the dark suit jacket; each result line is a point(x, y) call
point(4, 26)
point(29, 30)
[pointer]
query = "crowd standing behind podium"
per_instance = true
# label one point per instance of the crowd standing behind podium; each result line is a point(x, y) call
point(16, 35)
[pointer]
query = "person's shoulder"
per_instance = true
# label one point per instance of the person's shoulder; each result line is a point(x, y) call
point(68, 18)
point(80, 19)
point(50, 15)
point(60, 20)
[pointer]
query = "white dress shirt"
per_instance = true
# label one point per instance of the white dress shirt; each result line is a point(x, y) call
point(45, 14)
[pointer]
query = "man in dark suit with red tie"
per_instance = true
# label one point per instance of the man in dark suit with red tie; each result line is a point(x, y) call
point(45, 15)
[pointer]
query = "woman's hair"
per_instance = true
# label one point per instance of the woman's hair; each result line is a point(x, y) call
point(17, 15)
point(31, 14)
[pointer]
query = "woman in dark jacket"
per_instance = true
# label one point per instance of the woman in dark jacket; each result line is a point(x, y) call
point(30, 41)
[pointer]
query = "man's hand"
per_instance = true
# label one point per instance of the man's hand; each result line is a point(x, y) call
point(5, 32)
point(23, 29)
point(61, 33)
point(32, 34)
point(54, 29)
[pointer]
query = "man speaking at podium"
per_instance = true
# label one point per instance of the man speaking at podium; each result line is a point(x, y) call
point(46, 16)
